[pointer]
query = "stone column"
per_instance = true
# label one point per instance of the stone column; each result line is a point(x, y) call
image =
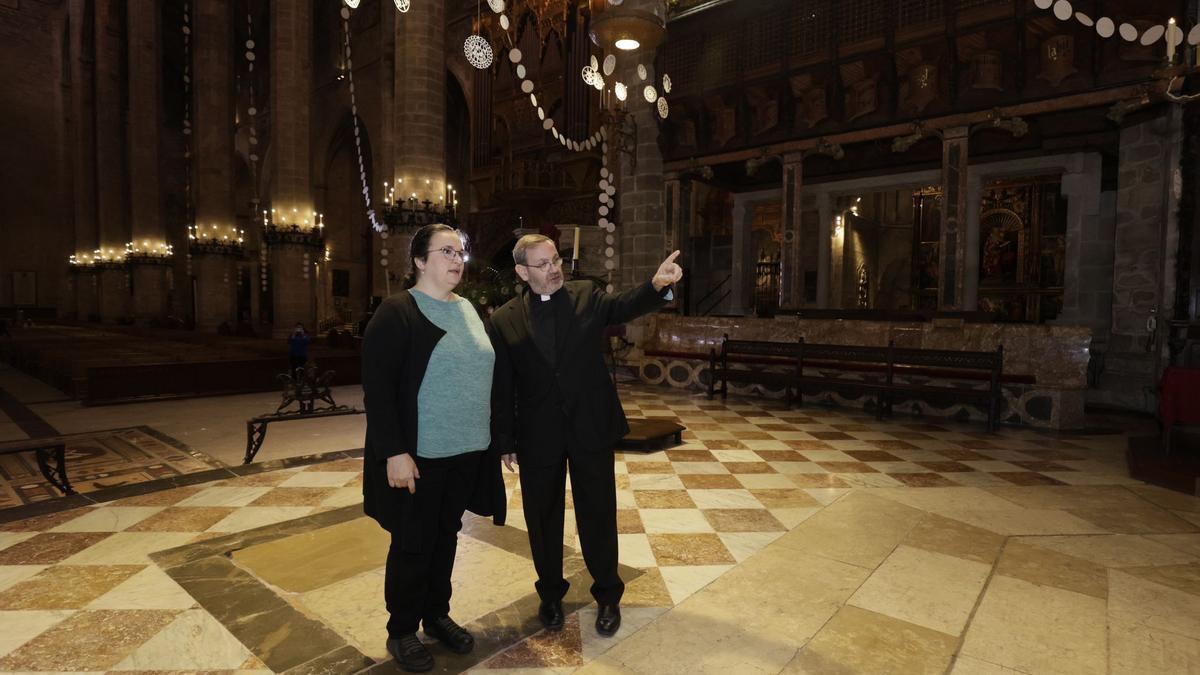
point(112, 187)
point(971, 282)
point(672, 196)
point(674, 208)
point(953, 249)
point(87, 294)
point(216, 284)
point(419, 121)
point(741, 283)
point(412, 146)
point(642, 230)
point(824, 248)
point(83, 176)
point(1146, 243)
point(1088, 269)
point(148, 228)
point(114, 291)
point(791, 280)
point(293, 291)
point(212, 48)
point(293, 287)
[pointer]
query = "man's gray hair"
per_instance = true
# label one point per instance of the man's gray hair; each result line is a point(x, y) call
point(525, 243)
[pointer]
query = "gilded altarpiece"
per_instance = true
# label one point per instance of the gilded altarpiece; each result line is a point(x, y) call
point(1022, 250)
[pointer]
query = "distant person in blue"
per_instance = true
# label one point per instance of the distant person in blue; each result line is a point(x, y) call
point(298, 348)
point(427, 367)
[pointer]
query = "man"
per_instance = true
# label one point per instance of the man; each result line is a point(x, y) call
point(298, 348)
point(551, 374)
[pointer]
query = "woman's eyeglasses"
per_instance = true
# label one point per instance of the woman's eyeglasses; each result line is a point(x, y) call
point(451, 253)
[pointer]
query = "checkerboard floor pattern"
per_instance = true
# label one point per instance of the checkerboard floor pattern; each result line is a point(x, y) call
point(747, 472)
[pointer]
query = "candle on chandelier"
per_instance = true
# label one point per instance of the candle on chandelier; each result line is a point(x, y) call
point(1171, 41)
point(575, 251)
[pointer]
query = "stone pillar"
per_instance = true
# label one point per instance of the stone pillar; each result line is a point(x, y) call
point(1145, 245)
point(824, 248)
point(791, 280)
point(149, 290)
point(293, 287)
point(645, 238)
point(148, 229)
point(87, 294)
point(640, 223)
point(419, 120)
point(953, 249)
point(293, 290)
point(741, 283)
point(114, 291)
point(291, 91)
point(216, 284)
point(111, 177)
point(83, 141)
point(1088, 269)
point(971, 266)
point(674, 208)
point(212, 48)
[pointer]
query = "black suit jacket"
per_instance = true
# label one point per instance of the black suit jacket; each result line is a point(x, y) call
point(543, 410)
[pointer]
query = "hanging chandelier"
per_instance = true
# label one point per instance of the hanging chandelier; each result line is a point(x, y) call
point(627, 36)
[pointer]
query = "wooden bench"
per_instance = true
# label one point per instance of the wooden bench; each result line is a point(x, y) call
point(947, 364)
point(823, 367)
point(751, 353)
point(51, 459)
point(832, 362)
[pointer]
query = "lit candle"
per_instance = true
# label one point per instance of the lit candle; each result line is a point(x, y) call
point(575, 252)
point(1171, 41)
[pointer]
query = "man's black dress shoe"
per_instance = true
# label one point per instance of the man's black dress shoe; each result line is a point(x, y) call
point(455, 637)
point(608, 620)
point(410, 654)
point(551, 614)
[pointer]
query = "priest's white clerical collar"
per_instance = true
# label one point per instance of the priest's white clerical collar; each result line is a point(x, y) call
point(545, 298)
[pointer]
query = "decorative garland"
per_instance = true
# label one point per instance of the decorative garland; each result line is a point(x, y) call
point(252, 112)
point(189, 205)
point(592, 75)
point(376, 224)
point(1106, 27)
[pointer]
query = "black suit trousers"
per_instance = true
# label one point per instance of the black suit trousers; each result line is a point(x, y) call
point(594, 492)
point(417, 585)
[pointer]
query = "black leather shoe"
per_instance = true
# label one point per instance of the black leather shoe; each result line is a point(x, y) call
point(455, 637)
point(410, 654)
point(608, 620)
point(551, 614)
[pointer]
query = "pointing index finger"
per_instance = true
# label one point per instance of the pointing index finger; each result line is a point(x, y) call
point(671, 258)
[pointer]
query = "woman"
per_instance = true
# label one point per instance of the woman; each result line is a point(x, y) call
point(428, 430)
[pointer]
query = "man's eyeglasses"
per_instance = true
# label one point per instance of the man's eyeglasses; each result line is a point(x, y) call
point(545, 265)
point(452, 253)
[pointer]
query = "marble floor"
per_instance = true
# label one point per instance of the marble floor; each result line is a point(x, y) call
point(810, 540)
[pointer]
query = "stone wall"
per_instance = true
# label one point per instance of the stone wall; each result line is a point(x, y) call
point(36, 232)
point(1144, 227)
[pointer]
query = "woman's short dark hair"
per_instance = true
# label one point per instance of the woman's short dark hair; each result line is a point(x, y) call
point(419, 247)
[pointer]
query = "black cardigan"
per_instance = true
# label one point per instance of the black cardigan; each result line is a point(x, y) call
point(395, 353)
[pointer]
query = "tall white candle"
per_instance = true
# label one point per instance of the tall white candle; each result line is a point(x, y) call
point(1171, 41)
